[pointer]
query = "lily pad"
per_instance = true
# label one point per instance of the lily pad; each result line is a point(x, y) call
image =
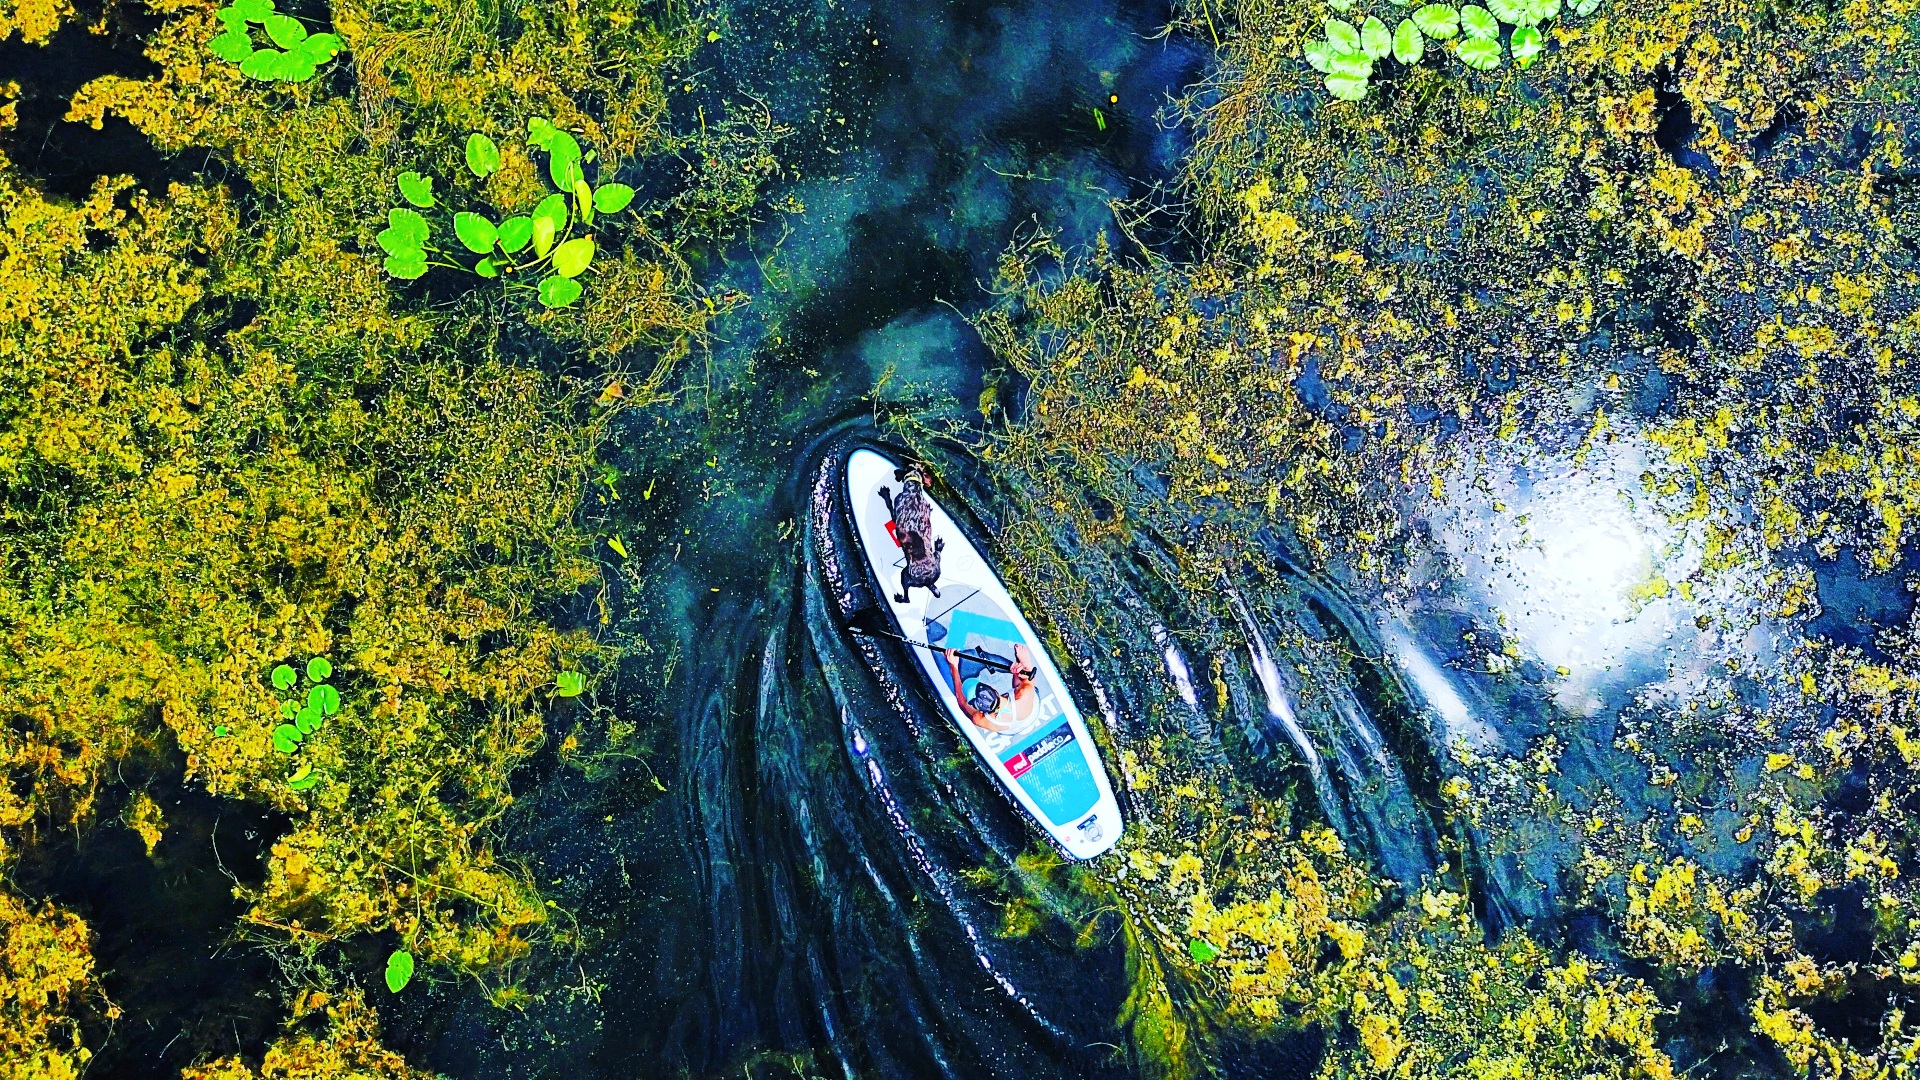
point(294, 67)
point(1409, 44)
point(399, 970)
point(1584, 8)
point(612, 198)
point(1347, 87)
point(319, 668)
point(254, 10)
point(1351, 65)
point(572, 258)
point(319, 48)
point(231, 18)
point(1375, 39)
point(515, 233)
point(487, 268)
point(289, 709)
point(558, 292)
point(306, 720)
point(1343, 36)
point(326, 697)
point(483, 156)
point(407, 265)
point(563, 162)
point(416, 189)
point(1480, 54)
point(1526, 45)
point(1437, 21)
point(540, 132)
point(549, 218)
point(1317, 53)
point(406, 231)
point(283, 677)
point(569, 684)
point(262, 64)
point(234, 46)
point(1202, 951)
point(583, 201)
point(1542, 10)
point(1511, 12)
point(286, 738)
point(475, 231)
point(303, 778)
point(1478, 22)
point(285, 31)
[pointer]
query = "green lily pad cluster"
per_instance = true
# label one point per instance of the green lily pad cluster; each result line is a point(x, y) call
point(524, 245)
point(294, 55)
point(1347, 54)
point(303, 718)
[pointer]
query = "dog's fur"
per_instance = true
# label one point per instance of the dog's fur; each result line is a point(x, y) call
point(913, 525)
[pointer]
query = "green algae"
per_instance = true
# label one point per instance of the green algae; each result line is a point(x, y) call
point(348, 469)
point(1677, 227)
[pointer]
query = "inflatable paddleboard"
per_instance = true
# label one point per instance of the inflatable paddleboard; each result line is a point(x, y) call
point(1001, 689)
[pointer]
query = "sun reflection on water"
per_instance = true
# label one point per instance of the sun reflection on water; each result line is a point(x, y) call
point(1573, 568)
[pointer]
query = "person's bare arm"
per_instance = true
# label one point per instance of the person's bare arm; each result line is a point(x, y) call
point(979, 718)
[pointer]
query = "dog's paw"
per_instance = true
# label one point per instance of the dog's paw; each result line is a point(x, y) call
point(939, 543)
point(902, 597)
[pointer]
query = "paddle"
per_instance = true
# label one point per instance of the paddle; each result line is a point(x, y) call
point(984, 659)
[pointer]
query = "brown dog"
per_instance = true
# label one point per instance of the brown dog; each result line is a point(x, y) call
point(913, 528)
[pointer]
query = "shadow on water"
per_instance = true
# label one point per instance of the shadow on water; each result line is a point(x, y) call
point(164, 922)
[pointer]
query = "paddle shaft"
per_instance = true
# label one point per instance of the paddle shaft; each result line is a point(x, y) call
point(981, 658)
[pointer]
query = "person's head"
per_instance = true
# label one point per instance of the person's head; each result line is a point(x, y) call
point(985, 698)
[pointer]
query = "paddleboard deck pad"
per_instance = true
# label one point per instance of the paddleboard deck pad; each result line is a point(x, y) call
point(1024, 727)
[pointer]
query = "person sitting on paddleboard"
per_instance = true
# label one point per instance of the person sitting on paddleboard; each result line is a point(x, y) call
point(988, 707)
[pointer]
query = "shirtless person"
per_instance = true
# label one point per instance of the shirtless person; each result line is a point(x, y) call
point(986, 708)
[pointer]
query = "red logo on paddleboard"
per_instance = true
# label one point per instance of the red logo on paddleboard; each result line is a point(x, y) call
point(1018, 764)
point(894, 535)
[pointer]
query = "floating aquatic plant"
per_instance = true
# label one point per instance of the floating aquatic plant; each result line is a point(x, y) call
point(1347, 54)
point(399, 970)
point(569, 684)
point(297, 56)
point(301, 721)
point(501, 244)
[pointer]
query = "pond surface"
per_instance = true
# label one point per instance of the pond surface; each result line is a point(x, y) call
point(763, 860)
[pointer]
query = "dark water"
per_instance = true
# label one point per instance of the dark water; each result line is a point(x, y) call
point(799, 880)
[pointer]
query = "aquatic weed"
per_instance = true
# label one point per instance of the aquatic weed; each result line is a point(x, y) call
point(405, 240)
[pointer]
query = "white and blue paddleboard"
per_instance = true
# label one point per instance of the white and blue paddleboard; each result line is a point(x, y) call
point(1041, 752)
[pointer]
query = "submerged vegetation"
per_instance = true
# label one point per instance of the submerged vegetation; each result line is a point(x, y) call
point(295, 455)
point(258, 503)
point(1685, 245)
